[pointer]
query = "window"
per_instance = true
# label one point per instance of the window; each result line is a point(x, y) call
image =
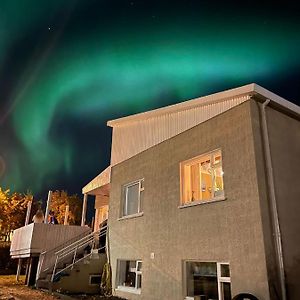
point(202, 178)
point(95, 279)
point(132, 198)
point(209, 280)
point(129, 275)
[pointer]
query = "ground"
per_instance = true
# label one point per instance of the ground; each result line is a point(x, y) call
point(12, 290)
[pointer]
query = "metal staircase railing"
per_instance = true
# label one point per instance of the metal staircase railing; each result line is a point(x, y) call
point(73, 249)
point(47, 258)
point(70, 253)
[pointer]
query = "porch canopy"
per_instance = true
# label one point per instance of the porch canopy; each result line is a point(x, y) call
point(98, 187)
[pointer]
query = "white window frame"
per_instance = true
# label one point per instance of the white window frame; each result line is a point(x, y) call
point(192, 161)
point(135, 290)
point(220, 279)
point(124, 208)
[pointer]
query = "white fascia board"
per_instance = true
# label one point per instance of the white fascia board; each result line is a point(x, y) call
point(100, 180)
point(276, 99)
point(250, 89)
point(209, 99)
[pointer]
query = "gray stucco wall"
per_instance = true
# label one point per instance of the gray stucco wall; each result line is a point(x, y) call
point(225, 231)
point(78, 280)
point(284, 138)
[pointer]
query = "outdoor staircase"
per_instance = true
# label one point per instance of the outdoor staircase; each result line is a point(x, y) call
point(69, 267)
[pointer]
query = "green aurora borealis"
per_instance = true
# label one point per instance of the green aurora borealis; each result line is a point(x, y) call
point(67, 69)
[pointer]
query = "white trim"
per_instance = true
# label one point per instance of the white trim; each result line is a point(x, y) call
point(199, 157)
point(210, 155)
point(131, 216)
point(220, 279)
point(100, 180)
point(212, 200)
point(249, 89)
point(124, 203)
point(128, 289)
point(138, 273)
point(276, 99)
point(185, 105)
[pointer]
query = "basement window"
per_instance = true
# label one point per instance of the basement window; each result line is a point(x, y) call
point(208, 280)
point(202, 178)
point(94, 279)
point(132, 194)
point(129, 276)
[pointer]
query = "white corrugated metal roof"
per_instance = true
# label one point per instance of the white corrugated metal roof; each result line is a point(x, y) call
point(249, 89)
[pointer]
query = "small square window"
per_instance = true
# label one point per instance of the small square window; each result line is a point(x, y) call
point(225, 272)
point(95, 279)
point(202, 178)
point(132, 198)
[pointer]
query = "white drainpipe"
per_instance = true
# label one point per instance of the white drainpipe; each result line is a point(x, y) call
point(271, 188)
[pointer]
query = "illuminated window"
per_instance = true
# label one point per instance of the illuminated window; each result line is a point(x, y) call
point(129, 275)
point(209, 280)
point(132, 198)
point(202, 178)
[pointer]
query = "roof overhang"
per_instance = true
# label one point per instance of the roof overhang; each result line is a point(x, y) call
point(249, 89)
point(100, 184)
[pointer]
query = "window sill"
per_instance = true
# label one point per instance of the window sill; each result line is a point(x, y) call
point(128, 289)
point(213, 200)
point(131, 216)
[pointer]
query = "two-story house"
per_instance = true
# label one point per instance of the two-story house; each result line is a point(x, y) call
point(203, 199)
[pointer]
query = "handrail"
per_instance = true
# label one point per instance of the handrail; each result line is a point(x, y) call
point(51, 252)
point(77, 241)
point(72, 265)
point(73, 249)
point(80, 244)
point(67, 251)
point(75, 238)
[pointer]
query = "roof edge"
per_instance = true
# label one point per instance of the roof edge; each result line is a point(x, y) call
point(100, 180)
point(204, 100)
point(248, 89)
point(277, 99)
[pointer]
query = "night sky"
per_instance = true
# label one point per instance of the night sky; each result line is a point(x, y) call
point(66, 67)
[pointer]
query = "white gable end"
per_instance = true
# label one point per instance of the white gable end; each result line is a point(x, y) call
point(131, 138)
